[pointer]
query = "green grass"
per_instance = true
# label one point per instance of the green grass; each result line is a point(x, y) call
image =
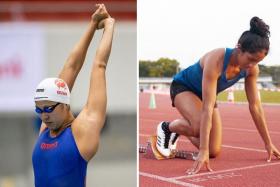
point(240, 96)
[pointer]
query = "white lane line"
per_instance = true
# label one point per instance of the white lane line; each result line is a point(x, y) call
point(227, 170)
point(223, 145)
point(170, 180)
point(248, 130)
point(246, 103)
point(226, 128)
point(244, 148)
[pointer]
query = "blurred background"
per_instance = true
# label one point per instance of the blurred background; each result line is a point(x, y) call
point(36, 38)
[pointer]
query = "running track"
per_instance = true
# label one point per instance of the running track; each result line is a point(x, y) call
point(242, 161)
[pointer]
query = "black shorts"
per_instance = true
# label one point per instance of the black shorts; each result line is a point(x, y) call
point(176, 88)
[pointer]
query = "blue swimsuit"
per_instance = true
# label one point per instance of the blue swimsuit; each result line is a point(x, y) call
point(191, 77)
point(57, 161)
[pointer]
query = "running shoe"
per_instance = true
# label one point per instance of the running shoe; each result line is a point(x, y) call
point(163, 138)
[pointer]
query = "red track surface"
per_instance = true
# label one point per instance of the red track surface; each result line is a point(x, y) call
point(242, 161)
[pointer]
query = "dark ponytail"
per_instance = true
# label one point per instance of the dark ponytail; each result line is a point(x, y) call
point(255, 39)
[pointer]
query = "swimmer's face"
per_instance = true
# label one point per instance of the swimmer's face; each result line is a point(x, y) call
point(53, 119)
point(247, 60)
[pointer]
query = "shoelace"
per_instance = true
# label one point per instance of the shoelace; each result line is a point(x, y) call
point(166, 139)
point(175, 138)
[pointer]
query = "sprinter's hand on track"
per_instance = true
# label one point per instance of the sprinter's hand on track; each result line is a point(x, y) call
point(272, 150)
point(201, 160)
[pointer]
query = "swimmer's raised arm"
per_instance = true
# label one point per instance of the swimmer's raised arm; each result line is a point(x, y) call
point(77, 56)
point(96, 102)
point(90, 121)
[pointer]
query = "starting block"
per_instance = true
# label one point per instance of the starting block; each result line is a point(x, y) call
point(150, 151)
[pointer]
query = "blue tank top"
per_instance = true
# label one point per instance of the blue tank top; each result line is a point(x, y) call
point(57, 161)
point(191, 77)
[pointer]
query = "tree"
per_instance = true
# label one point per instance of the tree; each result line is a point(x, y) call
point(273, 71)
point(144, 68)
point(163, 67)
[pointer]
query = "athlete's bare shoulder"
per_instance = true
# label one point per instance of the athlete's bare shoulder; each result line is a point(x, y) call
point(213, 58)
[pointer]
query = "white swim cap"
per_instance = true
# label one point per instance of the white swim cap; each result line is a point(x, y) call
point(53, 89)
